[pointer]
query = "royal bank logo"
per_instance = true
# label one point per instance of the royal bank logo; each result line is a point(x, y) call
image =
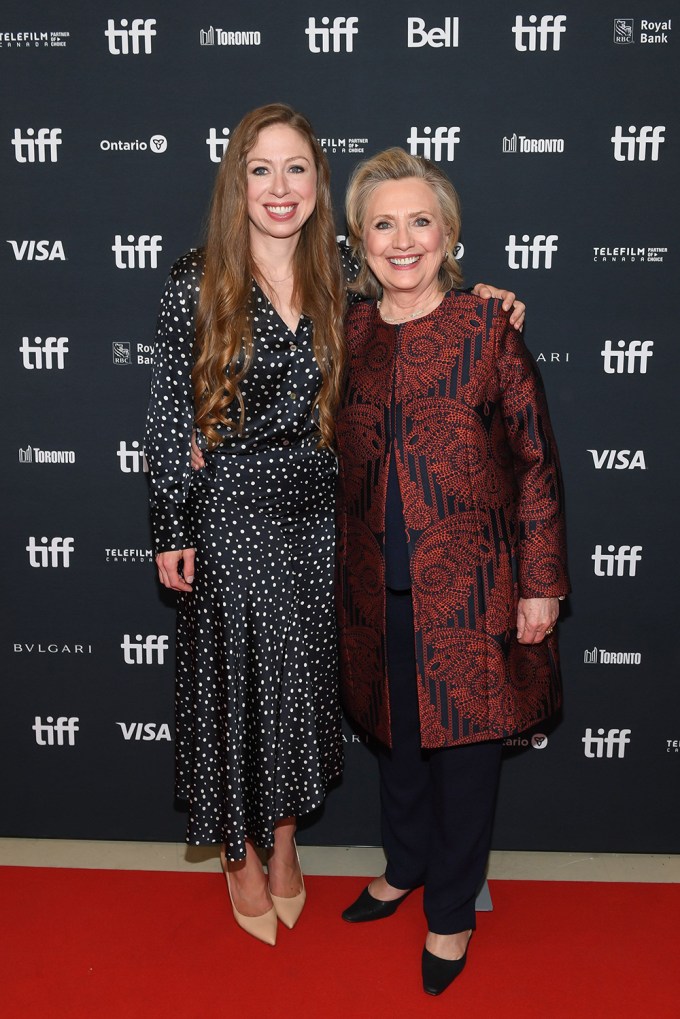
point(221, 37)
point(50, 552)
point(629, 255)
point(618, 459)
point(37, 455)
point(131, 460)
point(60, 733)
point(146, 732)
point(121, 352)
point(127, 556)
point(156, 144)
point(47, 353)
point(637, 143)
point(138, 253)
point(217, 144)
point(616, 562)
point(38, 251)
point(531, 252)
point(651, 32)
point(37, 147)
point(627, 358)
point(604, 744)
point(532, 146)
point(434, 143)
point(131, 38)
point(437, 37)
point(600, 656)
point(33, 40)
point(344, 146)
point(539, 35)
point(148, 650)
point(327, 38)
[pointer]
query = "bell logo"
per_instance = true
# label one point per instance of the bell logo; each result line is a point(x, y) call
point(38, 251)
point(551, 27)
point(626, 358)
point(634, 146)
point(541, 249)
point(133, 255)
point(419, 36)
point(126, 40)
point(217, 146)
point(36, 148)
point(625, 559)
point(144, 650)
point(49, 552)
point(433, 146)
point(344, 29)
point(49, 354)
point(51, 733)
point(146, 731)
point(594, 746)
point(618, 459)
point(132, 461)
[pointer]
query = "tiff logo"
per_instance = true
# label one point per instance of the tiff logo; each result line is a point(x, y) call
point(126, 40)
point(625, 558)
point(594, 746)
point(551, 27)
point(343, 29)
point(418, 35)
point(444, 138)
point(132, 461)
point(133, 255)
point(46, 552)
point(59, 733)
point(32, 148)
point(541, 248)
point(217, 146)
point(50, 355)
point(627, 149)
point(144, 650)
point(625, 359)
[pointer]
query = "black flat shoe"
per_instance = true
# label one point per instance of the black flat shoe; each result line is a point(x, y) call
point(439, 973)
point(368, 908)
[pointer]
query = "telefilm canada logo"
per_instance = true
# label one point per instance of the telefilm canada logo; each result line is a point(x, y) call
point(222, 37)
point(344, 146)
point(673, 746)
point(156, 144)
point(629, 254)
point(521, 143)
point(127, 556)
point(33, 40)
point(653, 33)
point(601, 656)
point(37, 455)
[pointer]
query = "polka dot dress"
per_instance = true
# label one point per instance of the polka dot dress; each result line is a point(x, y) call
point(258, 732)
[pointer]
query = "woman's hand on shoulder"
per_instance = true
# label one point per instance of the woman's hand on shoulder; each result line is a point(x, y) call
point(197, 461)
point(487, 292)
point(169, 573)
point(535, 618)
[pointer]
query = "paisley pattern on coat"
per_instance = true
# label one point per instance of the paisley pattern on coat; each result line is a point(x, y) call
point(482, 502)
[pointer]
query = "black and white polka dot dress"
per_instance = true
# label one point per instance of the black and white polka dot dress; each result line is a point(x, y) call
point(258, 732)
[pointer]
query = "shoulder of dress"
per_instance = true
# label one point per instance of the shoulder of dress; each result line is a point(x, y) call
point(489, 312)
point(350, 265)
point(359, 316)
point(189, 266)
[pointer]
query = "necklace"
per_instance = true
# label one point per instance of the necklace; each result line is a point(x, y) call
point(425, 309)
point(283, 280)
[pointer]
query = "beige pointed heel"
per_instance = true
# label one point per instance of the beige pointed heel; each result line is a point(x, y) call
point(288, 909)
point(262, 927)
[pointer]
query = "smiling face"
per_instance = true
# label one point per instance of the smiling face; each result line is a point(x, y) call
point(404, 236)
point(281, 176)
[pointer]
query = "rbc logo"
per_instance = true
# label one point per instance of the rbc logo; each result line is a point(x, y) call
point(132, 461)
point(34, 148)
point(433, 146)
point(144, 650)
point(552, 26)
point(49, 356)
point(541, 248)
point(649, 137)
point(618, 738)
point(217, 146)
point(128, 39)
point(435, 37)
point(616, 362)
point(46, 552)
point(343, 28)
point(133, 255)
point(51, 733)
point(624, 558)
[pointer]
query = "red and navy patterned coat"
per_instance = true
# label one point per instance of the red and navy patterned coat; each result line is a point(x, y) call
point(480, 482)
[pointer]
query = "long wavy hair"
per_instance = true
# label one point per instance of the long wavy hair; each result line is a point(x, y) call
point(223, 350)
point(397, 164)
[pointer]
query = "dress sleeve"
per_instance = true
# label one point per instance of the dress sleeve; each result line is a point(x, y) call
point(167, 440)
point(540, 500)
point(350, 270)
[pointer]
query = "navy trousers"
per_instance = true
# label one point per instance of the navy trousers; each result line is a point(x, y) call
point(437, 805)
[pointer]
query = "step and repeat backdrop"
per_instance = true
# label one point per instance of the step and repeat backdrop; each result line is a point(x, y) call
point(558, 125)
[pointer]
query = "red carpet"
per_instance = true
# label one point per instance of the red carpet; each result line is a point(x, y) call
point(83, 943)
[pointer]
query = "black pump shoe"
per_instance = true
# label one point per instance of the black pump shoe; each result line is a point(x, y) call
point(368, 908)
point(439, 973)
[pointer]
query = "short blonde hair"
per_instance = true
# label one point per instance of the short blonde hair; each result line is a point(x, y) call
point(397, 164)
